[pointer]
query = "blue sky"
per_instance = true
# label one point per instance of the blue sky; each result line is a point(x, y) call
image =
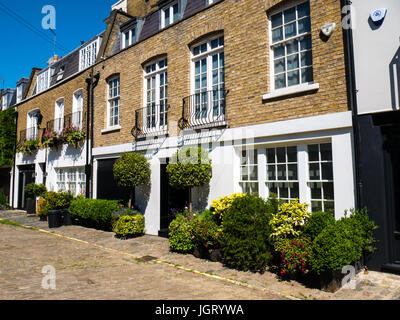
point(21, 49)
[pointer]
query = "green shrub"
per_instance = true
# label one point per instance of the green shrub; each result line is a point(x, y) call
point(246, 233)
point(94, 210)
point(33, 190)
point(180, 235)
point(289, 220)
point(318, 222)
point(206, 232)
point(3, 200)
point(29, 147)
point(7, 136)
point(129, 226)
point(123, 211)
point(294, 255)
point(57, 200)
point(343, 242)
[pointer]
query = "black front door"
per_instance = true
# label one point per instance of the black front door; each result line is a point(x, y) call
point(26, 176)
point(172, 201)
point(396, 216)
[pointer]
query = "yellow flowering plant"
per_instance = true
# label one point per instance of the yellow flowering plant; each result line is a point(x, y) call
point(287, 222)
point(224, 203)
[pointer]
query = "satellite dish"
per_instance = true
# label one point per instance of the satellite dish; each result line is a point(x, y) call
point(378, 16)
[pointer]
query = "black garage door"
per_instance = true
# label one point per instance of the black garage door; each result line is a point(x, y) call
point(107, 188)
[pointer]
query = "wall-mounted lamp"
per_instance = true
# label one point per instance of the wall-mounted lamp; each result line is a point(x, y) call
point(377, 16)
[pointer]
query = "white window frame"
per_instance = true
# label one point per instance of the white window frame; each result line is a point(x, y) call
point(301, 86)
point(43, 80)
point(64, 183)
point(88, 54)
point(59, 107)
point(208, 54)
point(19, 93)
point(150, 74)
point(31, 124)
point(110, 100)
point(170, 9)
point(77, 108)
point(303, 174)
point(129, 32)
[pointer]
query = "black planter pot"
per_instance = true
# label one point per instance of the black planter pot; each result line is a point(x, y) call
point(215, 255)
point(331, 281)
point(42, 218)
point(31, 206)
point(200, 252)
point(67, 221)
point(54, 218)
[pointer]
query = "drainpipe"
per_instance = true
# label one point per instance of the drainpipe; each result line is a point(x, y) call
point(15, 157)
point(351, 82)
point(91, 85)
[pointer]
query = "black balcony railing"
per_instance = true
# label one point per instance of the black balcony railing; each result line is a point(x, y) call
point(151, 120)
point(204, 109)
point(28, 134)
point(70, 120)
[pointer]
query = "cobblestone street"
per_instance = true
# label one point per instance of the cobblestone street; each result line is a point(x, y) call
point(94, 265)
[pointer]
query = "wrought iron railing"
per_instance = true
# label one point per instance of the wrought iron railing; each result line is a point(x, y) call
point(58, 125)
point(151, 120)
point(204, 109)
point(28, 134)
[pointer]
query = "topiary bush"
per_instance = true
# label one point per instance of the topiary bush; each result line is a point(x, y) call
point(129, 226)
point(57, 200)
point(131, 170)
point(94, 212)
point(33, 190)
point(343, 242)
point(246, 234)
point(316, 223)
point(180, 235)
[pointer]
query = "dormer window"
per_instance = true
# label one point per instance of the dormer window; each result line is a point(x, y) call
point(60, 73)
point(88, 54)
point(128, 38)
point(170, 14)
point(44, 79)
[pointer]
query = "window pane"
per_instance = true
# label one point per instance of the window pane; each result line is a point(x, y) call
point(280, 65)
point(313, 153)
point(281, 155)
point(304, 25)
point(290, 15)
point(279, 51)
point(290, 30)
point(284, 192)
point(271, 173)
point(305, 42)
point(292, 172)
point(276, 20)
point(292, 46)
point(303, 10)
point(176, 12)
point(253, 173)
point(244, 158)
point(282, 172)
point(280, 81)
point(293, 78)
point(314, 171)
point(214, 43)
point(293, 62)
point(307, 75)
point(271, 155)
point(292, 154)
point(294, 191)
point(328, 191)
point(306, 58)
point(326, 152)
point(329, 206)
point(277, 35)
point(244, 174)
point(316, 191)
point(327, 171)
point(166, 17)
point(316, 206)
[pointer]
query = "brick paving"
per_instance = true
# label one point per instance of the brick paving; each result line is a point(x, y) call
point(94, 265)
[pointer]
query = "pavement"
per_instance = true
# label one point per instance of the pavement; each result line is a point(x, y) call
point(91, 264)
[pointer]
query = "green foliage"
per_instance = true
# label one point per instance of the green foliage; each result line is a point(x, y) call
point(189, 167)
point(343, 242)
point(57, 200)
point(3, 200)
point(7, 136)
point(318, 222)
point(51, 139)
point(246, 233)
point(33, 190)
point(123, 212)
point(294, 254)
point(73, 136)
point(130, 225)
point(180, 235)
point(29, 147)
point(206, 232)
point(289, 220)
point(221, 205)
point(94, 210)
point(132, 170)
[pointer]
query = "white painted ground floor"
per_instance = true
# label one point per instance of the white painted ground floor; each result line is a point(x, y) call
point(309, 158)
